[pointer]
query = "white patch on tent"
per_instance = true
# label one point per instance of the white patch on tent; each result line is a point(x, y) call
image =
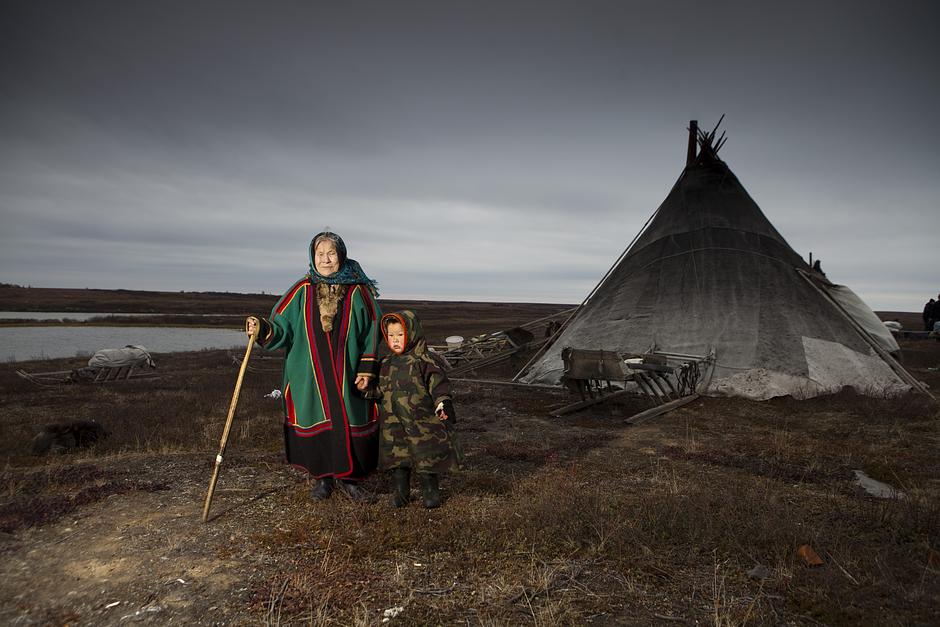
point(760, 384)
point(833, 366)
point(863, 316)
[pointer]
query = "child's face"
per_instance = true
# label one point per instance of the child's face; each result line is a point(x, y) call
point(395, 334)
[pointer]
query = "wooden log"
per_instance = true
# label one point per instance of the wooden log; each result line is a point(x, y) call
point(643, 416)
point(517, 384)
point(567, 409)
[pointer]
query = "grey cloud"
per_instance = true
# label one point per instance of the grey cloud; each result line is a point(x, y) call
point(516, 147)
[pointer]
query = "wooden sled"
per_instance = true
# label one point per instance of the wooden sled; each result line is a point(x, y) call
point(490, 348)
point(87, 375)
point(668, 380)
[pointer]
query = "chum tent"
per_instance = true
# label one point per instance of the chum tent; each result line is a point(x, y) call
point(710, 275)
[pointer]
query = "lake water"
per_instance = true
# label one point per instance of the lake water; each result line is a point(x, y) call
point(25, 343)
point(71, 315)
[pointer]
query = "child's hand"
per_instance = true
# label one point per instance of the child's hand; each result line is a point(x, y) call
point(362, 383)
point(445, 410)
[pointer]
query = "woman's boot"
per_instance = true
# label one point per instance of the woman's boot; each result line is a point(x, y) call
point(323, 489)
point(430, 491)
point(355, 492)
point(402, 492)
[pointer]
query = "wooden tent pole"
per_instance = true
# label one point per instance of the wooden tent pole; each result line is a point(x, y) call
point(533, 323)
point(693, 142)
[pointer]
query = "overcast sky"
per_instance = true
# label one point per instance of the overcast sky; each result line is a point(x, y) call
point(464, 150)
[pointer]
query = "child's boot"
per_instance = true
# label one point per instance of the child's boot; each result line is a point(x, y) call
point(430, 491)
point(402, 492)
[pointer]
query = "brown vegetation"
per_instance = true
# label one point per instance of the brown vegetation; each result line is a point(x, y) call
point(17, 298)
point(553, 521)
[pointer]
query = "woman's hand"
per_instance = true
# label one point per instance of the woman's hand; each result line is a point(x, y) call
point(252, 325)
point(362, 382)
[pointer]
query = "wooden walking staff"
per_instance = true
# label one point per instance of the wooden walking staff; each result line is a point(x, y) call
point(228, 424)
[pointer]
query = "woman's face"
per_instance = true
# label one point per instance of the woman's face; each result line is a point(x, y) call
point(325, 258)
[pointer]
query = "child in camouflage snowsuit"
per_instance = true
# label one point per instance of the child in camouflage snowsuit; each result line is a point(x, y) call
point(416, 412)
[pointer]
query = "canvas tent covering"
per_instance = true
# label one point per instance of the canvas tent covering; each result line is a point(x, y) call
point(710, 273)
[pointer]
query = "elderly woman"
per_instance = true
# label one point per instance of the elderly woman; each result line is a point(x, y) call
point(327, 322)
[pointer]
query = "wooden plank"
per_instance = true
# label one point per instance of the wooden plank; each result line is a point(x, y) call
point(672, 388)
point(647, 388)
point(486, 361)
point(517, 384)
point(567, 409)
point(46, 379)
point(655, 367)
point(643, 416)
point(658, 381)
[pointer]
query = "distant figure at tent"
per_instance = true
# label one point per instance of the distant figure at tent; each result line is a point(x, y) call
point(817, 267)
point(328, 324)
point(930, 314)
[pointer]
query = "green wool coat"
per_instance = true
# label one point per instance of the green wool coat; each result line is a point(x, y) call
point(330, 428)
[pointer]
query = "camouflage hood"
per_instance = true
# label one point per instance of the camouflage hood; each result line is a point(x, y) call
point(414, 337)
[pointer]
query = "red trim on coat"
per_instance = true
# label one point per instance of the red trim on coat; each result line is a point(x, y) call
point(344, 334)
point(289, 296)
point(367, 429)
point(309, 432)
point(307, 470)
point(339, 388)
point(301, 432)
point(289, 407)
point(318, 370)
point(367, 297)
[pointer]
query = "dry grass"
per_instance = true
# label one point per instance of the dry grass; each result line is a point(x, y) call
point(47, 493)
point(183, 410)
point(552, 522)
point(607, 532)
